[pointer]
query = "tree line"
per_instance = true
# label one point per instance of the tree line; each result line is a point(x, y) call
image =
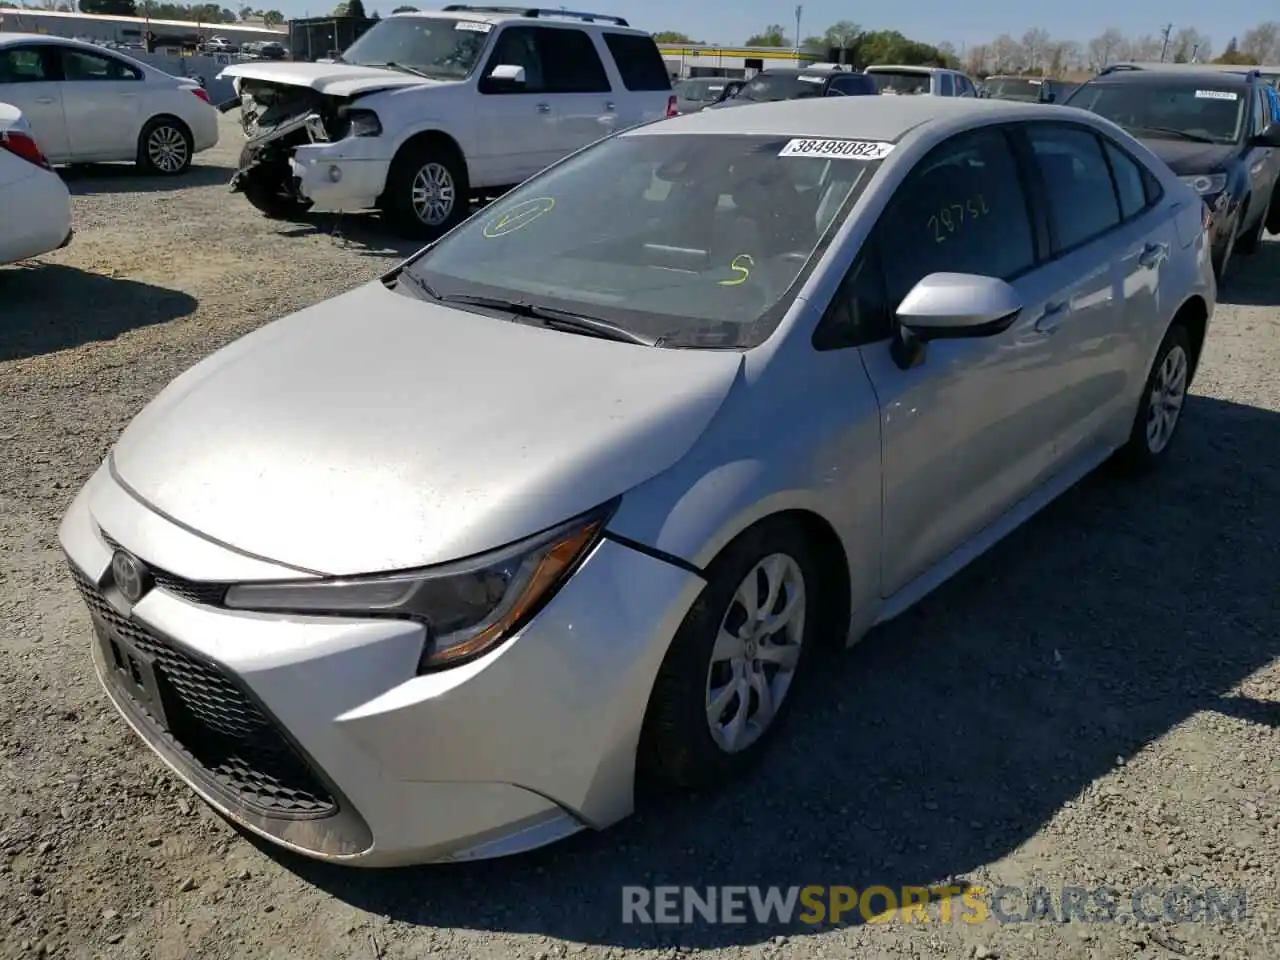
point(1035, 52)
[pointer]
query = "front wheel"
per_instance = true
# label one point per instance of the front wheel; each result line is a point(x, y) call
point(267, 190)
point(1160, 409)
point(165, 147)
point(731, 672)
point(427, 191)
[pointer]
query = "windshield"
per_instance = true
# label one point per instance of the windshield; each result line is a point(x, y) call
point(1164, 111)
point(439, 48)
point(695, 239)
point(900, 81)
point(700, 91)
point(767, 87)
point(1014, 88)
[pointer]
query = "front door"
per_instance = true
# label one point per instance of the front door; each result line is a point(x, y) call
point(515, 126)
point(102, 97)
point(29, 80)
point(962, 433)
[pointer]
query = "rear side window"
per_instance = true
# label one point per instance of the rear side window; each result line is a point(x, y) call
point(570, 63)
point(1128, 176)
point(947, 85)
point(1077, 180)
point(639, 62)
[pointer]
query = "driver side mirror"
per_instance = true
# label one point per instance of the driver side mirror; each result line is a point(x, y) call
point(504, 78)
point(1270, 137)
point(951, 306)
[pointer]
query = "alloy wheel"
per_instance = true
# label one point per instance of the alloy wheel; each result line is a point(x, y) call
point(167, 149)
point(433, 194)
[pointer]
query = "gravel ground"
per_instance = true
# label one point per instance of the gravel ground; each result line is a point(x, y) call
point(1096, 703)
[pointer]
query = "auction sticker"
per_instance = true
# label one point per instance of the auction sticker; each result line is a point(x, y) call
point(1217, 95)
point(845, 149)
point(475, 26)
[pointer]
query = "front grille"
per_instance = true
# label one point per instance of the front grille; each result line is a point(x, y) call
point(224, 737)
point(206, 594)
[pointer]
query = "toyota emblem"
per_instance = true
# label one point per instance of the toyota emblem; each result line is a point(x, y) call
point(130, 575)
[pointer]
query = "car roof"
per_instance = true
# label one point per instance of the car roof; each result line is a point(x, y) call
point(862, 118)
point(542, 17)
point(12, 39)
point(907, 67)
point(1218, 77)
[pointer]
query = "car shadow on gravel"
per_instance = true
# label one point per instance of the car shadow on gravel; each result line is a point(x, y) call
point(94, 178)
point(1251, 281)
point(952, 735)
point(48, 307)
point(365, 232)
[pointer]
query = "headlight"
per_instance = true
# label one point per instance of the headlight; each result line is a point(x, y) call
point(467, 607)
point(1206, 184)
point(363, 123)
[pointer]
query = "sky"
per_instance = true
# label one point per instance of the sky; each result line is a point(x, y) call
point(931, 21)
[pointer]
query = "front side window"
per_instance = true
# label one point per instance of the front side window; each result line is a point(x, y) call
point(697, 239)
point(518, 47)
point(961, 210)
point(79, 65)
point(1196, 110)
point(438, 48)
point(1082, 201)
point(859, 313)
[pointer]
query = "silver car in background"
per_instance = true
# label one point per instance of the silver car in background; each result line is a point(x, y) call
point(434, 570)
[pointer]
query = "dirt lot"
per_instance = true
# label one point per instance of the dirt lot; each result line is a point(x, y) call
point(1096, 703)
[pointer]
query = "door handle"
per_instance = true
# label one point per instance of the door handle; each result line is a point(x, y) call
point(1053, 315)
point(1153, 254)
point(543, 108)
point(44, 99)
point(611, 106)
point(127, 96)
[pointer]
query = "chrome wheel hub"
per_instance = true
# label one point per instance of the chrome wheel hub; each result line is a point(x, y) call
point(756, 653)
point(434, 194)
point(167, 149)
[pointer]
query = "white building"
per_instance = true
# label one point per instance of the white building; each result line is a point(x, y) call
point(686, 60)
point(129, 30)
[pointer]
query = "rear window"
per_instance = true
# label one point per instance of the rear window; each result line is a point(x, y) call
point(770, 87)
point(1014, 88)
point(900, 81)
point(639, 62)
point(700, 240)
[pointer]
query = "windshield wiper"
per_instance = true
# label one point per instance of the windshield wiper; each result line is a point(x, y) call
point(565, 320)
point(392, 65)
point(1197, 137)
point(401, 275)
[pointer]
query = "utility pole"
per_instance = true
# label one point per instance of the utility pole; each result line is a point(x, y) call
point(799, 10)
point(1164, 47)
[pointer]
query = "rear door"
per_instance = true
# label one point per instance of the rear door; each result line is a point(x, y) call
point(646, 86)
point(29, 75)
point(583, 103)
point(1264, 162)
point(1107, 255)
point(102, 99)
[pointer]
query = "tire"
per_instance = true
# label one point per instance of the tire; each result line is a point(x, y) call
point(678, 747)
point(1273, 215)
point(1249, 243)
point(425, 167)
point(165, 147)
point(1221, 267)
point(264, 188)
point(1144, 450)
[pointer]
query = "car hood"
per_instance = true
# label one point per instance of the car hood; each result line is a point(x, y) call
point(1186, 158)
point(334, 79)
point(377, 432)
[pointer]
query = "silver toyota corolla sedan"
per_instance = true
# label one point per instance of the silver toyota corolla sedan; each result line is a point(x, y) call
point(436, 569)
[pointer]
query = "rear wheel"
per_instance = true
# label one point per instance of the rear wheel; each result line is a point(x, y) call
point(1160, 409)
point(427, 191)
point(165, 147)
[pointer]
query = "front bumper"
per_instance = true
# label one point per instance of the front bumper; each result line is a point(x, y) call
point(316, 734)
point(349, 174)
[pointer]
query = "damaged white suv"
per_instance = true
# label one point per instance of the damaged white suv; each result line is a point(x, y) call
point(426, 110)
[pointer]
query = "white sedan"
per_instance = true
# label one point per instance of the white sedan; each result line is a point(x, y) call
point(35, 201)
point(86, 104)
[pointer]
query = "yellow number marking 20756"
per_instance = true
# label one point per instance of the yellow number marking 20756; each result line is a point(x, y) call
point(954, 215)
